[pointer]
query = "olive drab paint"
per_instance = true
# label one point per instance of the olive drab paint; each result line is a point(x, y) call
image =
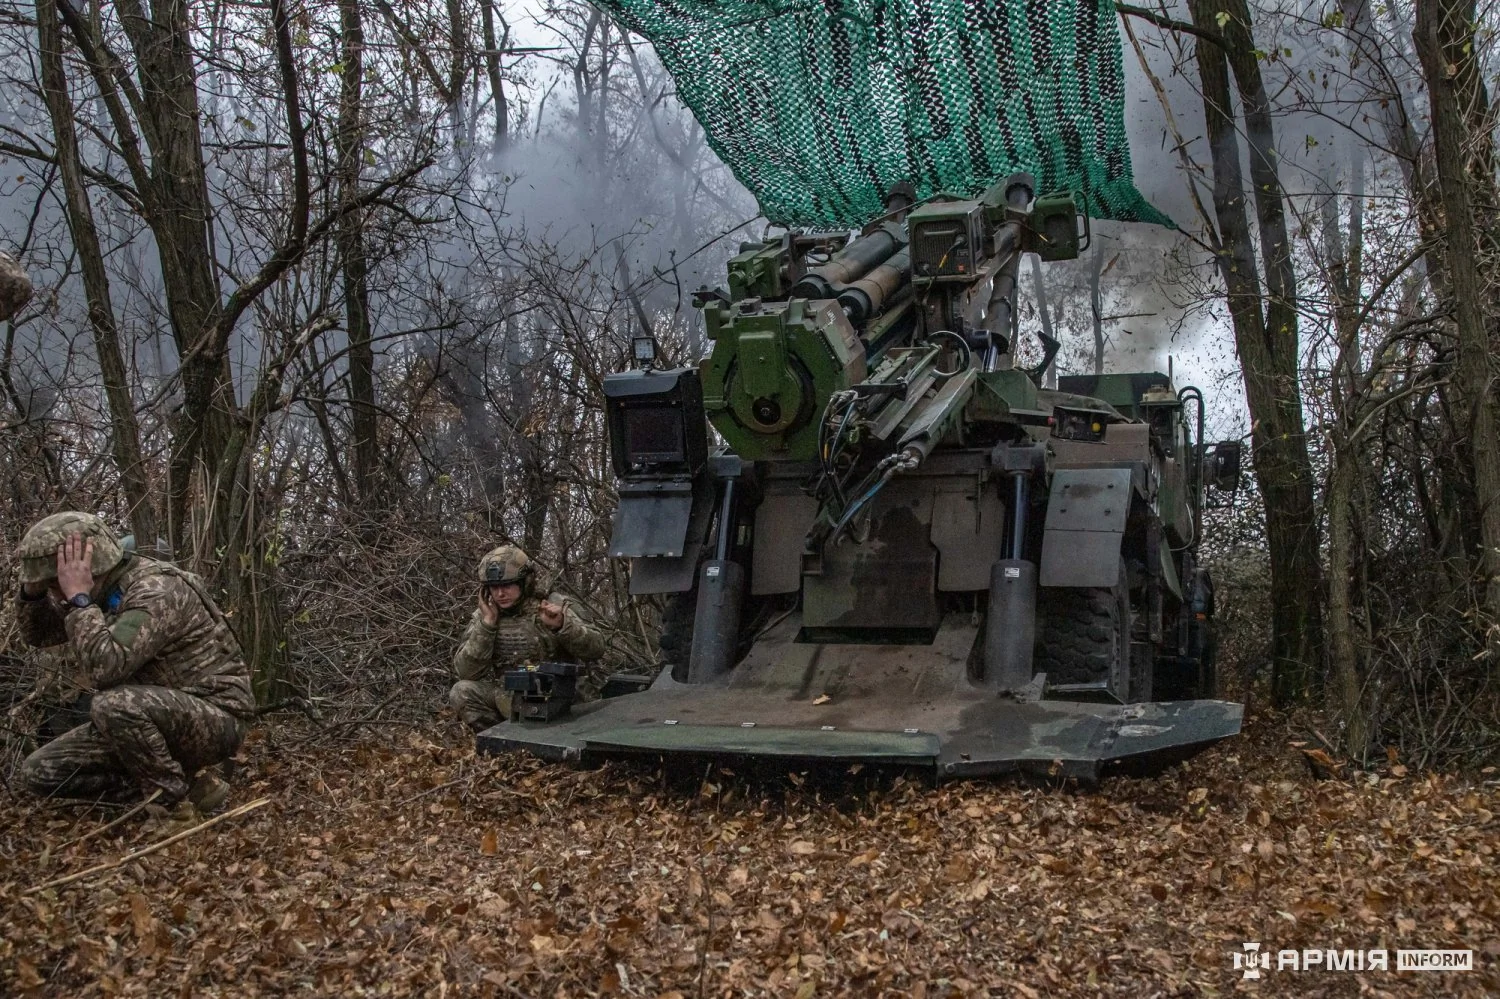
point(909, 549)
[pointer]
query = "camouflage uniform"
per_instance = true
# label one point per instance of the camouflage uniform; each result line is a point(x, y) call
point(518, 638)
point(172, 690)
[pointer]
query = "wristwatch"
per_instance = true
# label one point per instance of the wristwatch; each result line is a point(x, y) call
point(81, 600)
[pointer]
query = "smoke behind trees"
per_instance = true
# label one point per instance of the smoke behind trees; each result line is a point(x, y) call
point(504, 194)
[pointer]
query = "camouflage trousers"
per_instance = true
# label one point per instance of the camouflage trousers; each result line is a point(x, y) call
point(481, 703)
point(154, 737)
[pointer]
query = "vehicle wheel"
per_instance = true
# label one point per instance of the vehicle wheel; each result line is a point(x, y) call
point(676, 638)
point(1208, 667)
point(1083, 635)
point(676, 642)
point(1192, 676)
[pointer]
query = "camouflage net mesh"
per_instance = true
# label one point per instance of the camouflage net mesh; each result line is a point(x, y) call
point(818, 106)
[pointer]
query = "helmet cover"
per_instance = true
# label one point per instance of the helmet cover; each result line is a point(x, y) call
point(38, 549)
point(504, 565)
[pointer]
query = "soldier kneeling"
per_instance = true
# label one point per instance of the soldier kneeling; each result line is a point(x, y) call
point(171, 694)
point(513, 626)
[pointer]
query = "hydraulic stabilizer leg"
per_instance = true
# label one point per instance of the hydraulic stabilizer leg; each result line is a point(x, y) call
point(1010, 625)
point(721, 590)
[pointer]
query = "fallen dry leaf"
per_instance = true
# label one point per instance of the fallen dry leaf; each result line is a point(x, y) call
point(624, 882)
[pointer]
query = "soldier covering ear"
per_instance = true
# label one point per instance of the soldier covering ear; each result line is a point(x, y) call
point(172, 692)
point(514, 625)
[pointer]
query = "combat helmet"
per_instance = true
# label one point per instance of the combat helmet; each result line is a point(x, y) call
point(38, 550)
point(504, 565)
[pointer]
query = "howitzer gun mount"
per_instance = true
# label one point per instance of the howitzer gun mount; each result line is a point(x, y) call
point(908, 549)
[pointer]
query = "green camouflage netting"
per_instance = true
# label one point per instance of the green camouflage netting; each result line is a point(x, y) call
point(818, 107)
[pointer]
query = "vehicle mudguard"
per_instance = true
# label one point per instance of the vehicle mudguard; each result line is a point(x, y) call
point(1086, 512)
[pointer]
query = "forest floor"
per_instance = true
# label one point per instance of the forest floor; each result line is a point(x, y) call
point(393, 861)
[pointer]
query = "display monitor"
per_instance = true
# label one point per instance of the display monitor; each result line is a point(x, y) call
point(653, 434)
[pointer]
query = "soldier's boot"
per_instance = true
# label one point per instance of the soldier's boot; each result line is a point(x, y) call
point(180, 815)
point(208, 794)
point(205, 798)
point(154, 731)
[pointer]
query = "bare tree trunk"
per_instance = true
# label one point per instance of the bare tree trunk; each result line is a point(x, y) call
point(124, 431)
point(1096, 307)
point(317, 401)
point(492, 49)
point(538, 494)
point(179, 212)
point(601, 130)
point(244, 573)
point(350, 144)
point(1267, 343)
point(1447, 46)
point(583, 84)
point(1368, 64)
point(1345, 259)
point(1343, 652)
point(458, 43)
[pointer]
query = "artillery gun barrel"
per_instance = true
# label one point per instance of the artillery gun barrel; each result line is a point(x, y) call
point(863, 298)
point(1000, 312)
point(850, 264)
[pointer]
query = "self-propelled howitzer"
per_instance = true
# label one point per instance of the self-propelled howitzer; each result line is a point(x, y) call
point(907, 549)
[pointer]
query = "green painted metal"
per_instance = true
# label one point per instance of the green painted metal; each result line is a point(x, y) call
point(772, 365)
point(1001, 393)
point(1122, 390)
point(755, 272)
point(874, 747)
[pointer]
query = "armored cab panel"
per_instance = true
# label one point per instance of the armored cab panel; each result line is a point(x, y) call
point(1120, 442)
point(1123, 391)
point(659, 447)
point(1086, 513)
point(783, 521)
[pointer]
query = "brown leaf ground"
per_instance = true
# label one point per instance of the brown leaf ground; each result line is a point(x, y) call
point(404, 865)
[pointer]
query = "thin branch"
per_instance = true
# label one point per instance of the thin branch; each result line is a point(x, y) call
point(1214, 244)
point(1169, 24)
point(148, 850)
point(118, 187)
point(112, 824)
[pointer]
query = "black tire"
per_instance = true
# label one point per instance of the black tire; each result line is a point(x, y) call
point(1082, 635)
point(1208, 666)
point(676, 637)
point(676, 642)
point(1193, 676)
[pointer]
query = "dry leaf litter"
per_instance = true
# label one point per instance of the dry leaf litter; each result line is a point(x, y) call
point(405, 865)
